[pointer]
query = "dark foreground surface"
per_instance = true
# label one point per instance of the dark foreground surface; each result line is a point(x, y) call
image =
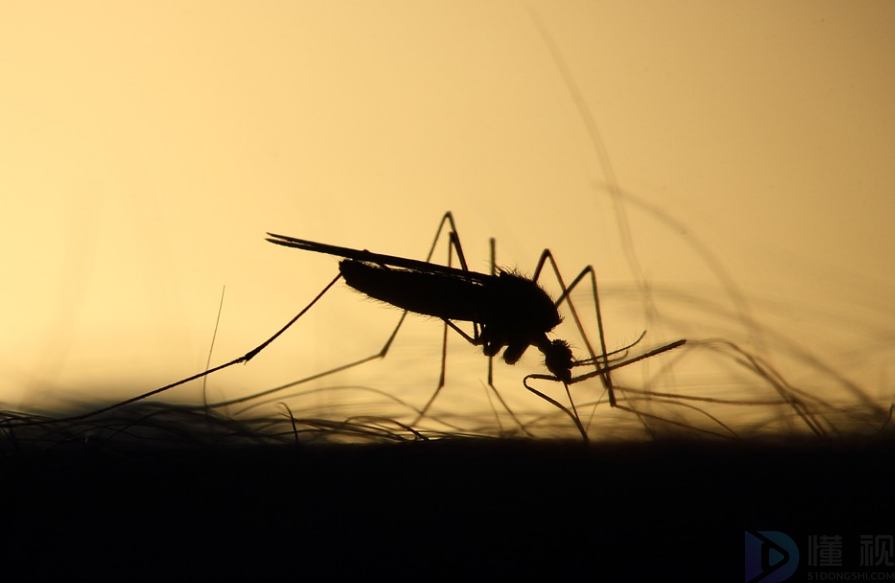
point(454, 510)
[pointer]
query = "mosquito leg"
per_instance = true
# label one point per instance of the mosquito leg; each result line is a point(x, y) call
point(565, 297)
point(573, 413)
point(446, 224)
point(602, 362)
point(447, 219)
point(603, 366)
point(474, 339)
point(492, 244)
point(444, 334)
point(453, 245)
point(242, 359)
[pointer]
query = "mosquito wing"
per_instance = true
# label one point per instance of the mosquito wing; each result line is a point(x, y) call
point(378, 258)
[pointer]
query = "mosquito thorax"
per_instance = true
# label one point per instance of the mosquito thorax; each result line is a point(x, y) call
point(520, 303)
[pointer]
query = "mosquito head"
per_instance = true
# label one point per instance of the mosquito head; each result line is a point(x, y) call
point(558, 358)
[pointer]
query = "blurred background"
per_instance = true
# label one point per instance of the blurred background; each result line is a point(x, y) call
point(725, 168)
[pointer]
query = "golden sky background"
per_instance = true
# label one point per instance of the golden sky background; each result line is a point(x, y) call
point(145, 149)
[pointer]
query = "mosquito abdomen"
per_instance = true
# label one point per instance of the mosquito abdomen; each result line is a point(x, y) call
point(431, 294)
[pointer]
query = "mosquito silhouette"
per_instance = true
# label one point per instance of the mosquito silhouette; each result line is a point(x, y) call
point(509, 312)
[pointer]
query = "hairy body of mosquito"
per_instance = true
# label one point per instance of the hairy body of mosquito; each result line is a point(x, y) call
point(513, 311)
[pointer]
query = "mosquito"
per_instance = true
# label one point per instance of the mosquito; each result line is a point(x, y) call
point(508, 311)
